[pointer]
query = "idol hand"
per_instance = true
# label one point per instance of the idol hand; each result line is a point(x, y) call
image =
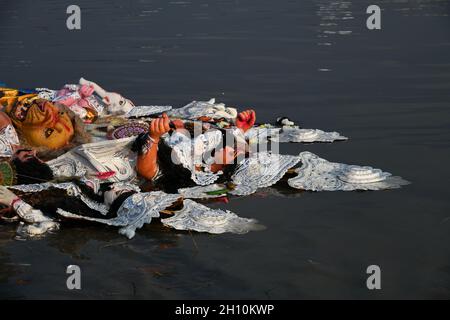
point(159, 126)
point(6, 196)
point(245, 120)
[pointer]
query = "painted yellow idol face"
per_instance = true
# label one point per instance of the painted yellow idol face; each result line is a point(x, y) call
point(42, 123)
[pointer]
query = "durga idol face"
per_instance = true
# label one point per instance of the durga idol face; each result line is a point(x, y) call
point(42, 123)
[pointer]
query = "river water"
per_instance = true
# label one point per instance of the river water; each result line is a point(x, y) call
point(312, 60)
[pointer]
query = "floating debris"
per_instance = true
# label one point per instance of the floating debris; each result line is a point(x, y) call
point(107, 174)
point(71, 189)
point(295, 134)
point(103, 156)
point(317, 174)
point(197, 217)
point(145, 111)
point(261, 170)
point(36, 229)
point(136, 211)
point(197, 109)
point(292, 134)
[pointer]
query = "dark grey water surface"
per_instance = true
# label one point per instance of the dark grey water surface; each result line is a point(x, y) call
point(313, 60)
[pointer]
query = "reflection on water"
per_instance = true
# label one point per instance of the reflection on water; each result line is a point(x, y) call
point(333, 15)
point(334, 22)
point(313, 61)
point(427, 8)
point(8, 268)
point(6, 234)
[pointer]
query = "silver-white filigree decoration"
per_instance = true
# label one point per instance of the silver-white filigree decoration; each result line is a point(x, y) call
point(28, 214)
point(136, 211)
point(103, 156)
point(145, 111)
point(8, 138)
point(317, 174)
point(65, 167)
point(291, 134)
point(197, 109)
point(197, 217)
point(192, 153)
point(47, 94)
point(121, 186)
point(261, 170)
point(295, 134)
point(204, 192)
point(38, 187)
point(71, 189)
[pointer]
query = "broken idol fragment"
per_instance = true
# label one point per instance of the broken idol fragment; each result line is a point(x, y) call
point(142, 163)
point(94, 203)
point(88, 100)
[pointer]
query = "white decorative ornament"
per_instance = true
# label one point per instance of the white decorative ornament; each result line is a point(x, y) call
point(136, 211)
point(47, 94)
point(261, 170)
point(190, 154)
point(65, 167)
point(36, 222)
point(28, 213)
point(199, 218)
point(71, 188)
point(295, 134)
point(291, 134)
point(103, 156)
point(210, 108)
point(8, 138)
point(145, 111)
point(317, 174)
point(357, 174)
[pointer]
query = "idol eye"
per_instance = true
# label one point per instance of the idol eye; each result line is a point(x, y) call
point(48, 132)
point(122, 102)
